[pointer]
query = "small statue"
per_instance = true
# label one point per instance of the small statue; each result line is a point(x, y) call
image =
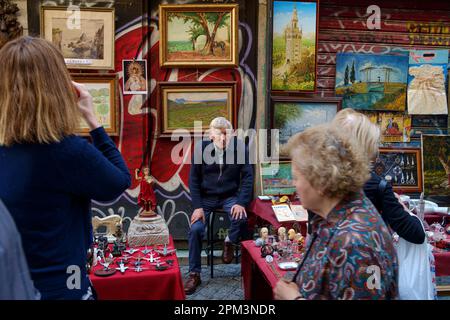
point(147, 197)
point(263, 239)
point(120, 236)
point(116, 252)
point(281, 234)
point(292, 234)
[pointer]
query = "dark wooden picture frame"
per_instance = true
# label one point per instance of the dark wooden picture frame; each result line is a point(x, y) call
point(404, 168)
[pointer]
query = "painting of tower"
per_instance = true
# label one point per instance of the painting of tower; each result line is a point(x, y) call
point(293, 38)
point(294, 45)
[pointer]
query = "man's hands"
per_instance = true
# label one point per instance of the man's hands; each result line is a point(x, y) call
point(198, 214)
point(238, 212)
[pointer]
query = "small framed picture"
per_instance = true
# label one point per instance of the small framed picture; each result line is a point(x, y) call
point(276, 178)
point(402, 167)
point(182, 105)
point(134, 76)
point(85, 36)
point(103, 89)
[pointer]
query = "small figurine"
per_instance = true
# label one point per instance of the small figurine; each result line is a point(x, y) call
point(102, 243)
point(119, 234)
point(281, 234)
point(266, 250)
point(116, 249)
point(139, 269)
point(122, 267)
point(165, 252)
point(131, 251)
point(106, 271)
point(147, 197)
point(152, 258)
point(292, 234)
point(264, 235)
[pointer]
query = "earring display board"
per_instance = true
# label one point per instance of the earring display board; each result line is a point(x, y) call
point(402, 167)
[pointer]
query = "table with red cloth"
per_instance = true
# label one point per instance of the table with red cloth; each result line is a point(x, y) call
point(259, 278)
point(146, 285)
point(260, 213)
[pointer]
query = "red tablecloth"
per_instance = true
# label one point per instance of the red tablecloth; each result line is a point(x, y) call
point(146, 285)
point(261, 213)
point(257, 276)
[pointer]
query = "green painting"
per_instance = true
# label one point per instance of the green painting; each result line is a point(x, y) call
point(186, 107)
point(436, 164)
point(276, 178)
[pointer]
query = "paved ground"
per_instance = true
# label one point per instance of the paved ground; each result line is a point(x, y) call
point(226, 284)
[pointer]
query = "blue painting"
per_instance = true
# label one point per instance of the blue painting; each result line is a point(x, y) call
point(372, 82)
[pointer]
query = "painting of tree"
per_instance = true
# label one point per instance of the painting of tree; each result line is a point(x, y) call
point(198, 34)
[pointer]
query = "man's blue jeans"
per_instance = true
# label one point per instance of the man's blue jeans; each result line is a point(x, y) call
point(237, 229)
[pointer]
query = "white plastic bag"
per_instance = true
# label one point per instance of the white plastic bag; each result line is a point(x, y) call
point(416, 279)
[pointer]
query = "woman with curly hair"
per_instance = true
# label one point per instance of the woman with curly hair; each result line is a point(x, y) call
point(350, 254)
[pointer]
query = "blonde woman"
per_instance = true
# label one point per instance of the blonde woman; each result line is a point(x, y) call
point(48, 176)
point(367, 135)
point(350, 254)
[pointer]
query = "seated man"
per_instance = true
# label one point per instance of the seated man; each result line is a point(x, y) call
point(221, 176)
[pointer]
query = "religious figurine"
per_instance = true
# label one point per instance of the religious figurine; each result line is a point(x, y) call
point(147, 228)
point(146, 198)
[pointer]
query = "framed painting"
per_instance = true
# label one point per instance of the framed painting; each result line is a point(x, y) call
point(402, 167)
point(293, 115)
point(395, 127)
point(294, 45)
point(198, 35)
point(85, 37)
point(436, 165)
point(372, 82)
point(276, 178)
point(192, 105)
point(103, 89)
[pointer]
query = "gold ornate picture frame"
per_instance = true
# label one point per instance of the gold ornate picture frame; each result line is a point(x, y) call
point(198, 35)
point(104, 91)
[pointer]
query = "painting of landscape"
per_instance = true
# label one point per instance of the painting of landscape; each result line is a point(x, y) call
point(293, 117)
point(85, 43)
point(436, 165)
point(200, 35)
point(85, 37)
point(372, 82)
point(182, 105)
point(276, 178)
point(294, 45)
